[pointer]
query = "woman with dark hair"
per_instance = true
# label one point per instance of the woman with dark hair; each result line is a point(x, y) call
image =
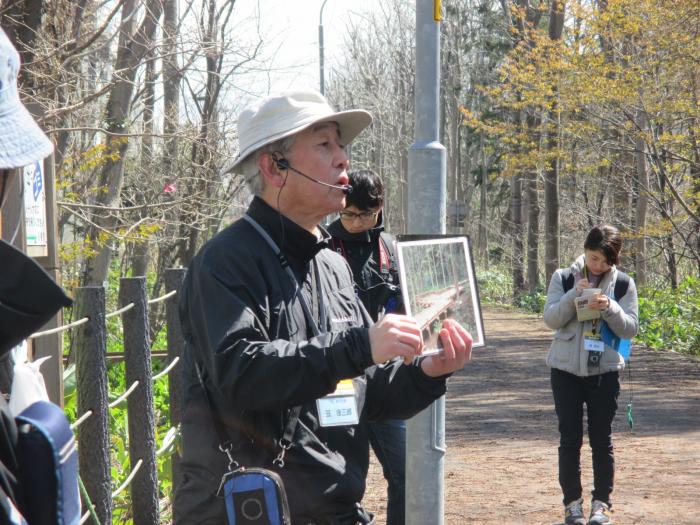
point(584, 369)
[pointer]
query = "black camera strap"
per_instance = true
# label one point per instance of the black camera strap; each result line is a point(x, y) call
point(285, 443)
point(226, 444)
point(316, 293)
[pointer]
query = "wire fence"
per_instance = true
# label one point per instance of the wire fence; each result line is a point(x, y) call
point(92, 424)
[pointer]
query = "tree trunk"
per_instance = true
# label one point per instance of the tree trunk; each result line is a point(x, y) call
point(526, 17)
point(517, 233)
point(516, 229)
point(533, 214)
point(670, 255)
point(666, 209)
point(551, 174)
point(642, 184)
point(140, 255)
point(62, 135)
point(551, 201)
point(202, 147)
point(483, 203)
point(171, 113)
point(533, 236)
point(130, 52)
point(695, 167)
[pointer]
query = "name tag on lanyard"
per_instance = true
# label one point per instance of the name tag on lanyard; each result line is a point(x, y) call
point(592, 342)
point(340, 407)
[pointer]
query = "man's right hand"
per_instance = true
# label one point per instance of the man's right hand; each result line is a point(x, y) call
point(395, 335)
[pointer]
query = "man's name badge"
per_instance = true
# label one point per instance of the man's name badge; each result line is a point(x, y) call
point(340, 407)
point(593, 343)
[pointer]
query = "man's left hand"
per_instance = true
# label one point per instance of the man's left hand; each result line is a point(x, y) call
point(457, 350)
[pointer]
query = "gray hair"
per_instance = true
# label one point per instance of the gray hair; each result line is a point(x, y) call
point(250, 166)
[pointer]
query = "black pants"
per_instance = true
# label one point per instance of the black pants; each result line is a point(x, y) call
point(388, 440)
point(600, 394)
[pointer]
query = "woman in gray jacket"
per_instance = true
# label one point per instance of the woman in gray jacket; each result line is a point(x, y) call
point(585, 370)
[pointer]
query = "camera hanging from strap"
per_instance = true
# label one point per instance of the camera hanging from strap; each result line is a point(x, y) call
point(254, 496)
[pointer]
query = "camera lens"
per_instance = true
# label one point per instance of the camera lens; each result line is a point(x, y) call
point(252, 509)
point(593, 358)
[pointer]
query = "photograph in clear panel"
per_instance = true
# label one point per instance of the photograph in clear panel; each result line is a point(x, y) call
point(438, 283)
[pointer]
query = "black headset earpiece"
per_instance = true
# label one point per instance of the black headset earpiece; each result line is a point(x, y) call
point(280, 162)
point(284, 165)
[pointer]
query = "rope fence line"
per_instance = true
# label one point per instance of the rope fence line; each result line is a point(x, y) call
point(135, 384)
point(128, 392)
point(90, 513)
point(120, 311)
point(124, 395)
point(128, 479)
point(107, 316)
point(166, 369)
point(169, 439)
point(59, 328)
point(81, 420)
point(162, 297)
point(96, 401)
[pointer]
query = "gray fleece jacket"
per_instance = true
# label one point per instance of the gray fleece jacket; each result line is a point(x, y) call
point(567, 351)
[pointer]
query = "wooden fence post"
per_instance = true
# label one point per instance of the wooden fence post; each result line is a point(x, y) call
point(50, 345)
point(176, 344)
point(137, 363)
point(91, 380)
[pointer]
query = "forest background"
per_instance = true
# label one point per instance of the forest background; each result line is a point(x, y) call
point(556, 115)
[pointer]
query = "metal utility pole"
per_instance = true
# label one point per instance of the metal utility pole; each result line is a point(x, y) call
point(427, 169)
point(320, 47)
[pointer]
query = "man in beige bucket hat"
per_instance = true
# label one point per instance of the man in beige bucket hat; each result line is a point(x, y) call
point(283, 367)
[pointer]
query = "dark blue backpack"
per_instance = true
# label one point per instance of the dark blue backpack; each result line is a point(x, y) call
point(622, 282)
point(48, 462)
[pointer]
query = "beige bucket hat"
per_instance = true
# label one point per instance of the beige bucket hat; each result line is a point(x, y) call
point(280, 116)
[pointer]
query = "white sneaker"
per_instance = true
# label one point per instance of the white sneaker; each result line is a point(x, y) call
point(573, 513)
point(599, 513)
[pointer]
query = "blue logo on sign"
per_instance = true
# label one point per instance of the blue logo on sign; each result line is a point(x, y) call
point(38, 181)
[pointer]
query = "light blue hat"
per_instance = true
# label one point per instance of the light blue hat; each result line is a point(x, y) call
point(21, 140)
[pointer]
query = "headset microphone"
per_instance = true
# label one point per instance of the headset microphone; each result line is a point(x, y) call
point(283, 164)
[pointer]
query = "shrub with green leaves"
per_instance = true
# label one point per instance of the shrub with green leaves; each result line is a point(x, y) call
point(495, 287)
point(532, 301)
point(670, 319)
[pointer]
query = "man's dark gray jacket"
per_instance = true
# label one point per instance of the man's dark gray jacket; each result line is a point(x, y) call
point(247, 332)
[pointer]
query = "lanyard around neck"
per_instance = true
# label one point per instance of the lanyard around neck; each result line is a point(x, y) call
point(316, 293)
point(384, 260)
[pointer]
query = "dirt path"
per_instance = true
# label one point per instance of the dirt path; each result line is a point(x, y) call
point(501, 463)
